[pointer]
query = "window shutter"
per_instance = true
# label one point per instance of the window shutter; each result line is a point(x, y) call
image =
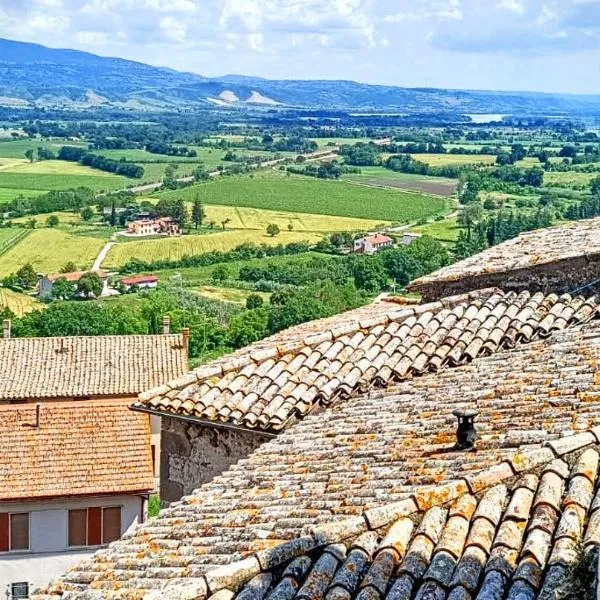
point(77, 527)
point(94, 526)
point(19, 531)
point(111, 526)
point(3, 532)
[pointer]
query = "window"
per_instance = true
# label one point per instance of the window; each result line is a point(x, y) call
point(94, 526)
point(14, 531)
point(19, 591)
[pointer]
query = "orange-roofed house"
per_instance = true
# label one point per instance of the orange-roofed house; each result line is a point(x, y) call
point(371, 244)
point(76, 465)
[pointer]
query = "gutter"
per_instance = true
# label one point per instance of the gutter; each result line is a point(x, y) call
point(203, 422)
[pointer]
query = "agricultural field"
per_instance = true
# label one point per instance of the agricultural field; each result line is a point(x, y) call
point(255, 218)
point(8, 194)
point(382, 177)
point(19, 304)
point(446, 230)
point(17, 148)
point(444, 160)
point(272, 190)
point(338, 141)
point(49, 249)
point(173, 248)
point(225, 294)
point(569, 179)
point(54, 181)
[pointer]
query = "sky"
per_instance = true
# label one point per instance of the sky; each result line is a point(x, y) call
point(538, 45)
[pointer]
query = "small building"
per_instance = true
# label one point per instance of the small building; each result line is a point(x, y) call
point(408, 237)
point(46, 282)
point(161, 226)
point(373, 243)
point(74, 476)
point(76, 465)
point(141, 281)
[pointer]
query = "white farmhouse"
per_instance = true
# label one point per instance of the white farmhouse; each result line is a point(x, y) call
point(373, 243)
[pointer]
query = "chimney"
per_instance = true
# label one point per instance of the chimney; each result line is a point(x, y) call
point(166, 324)
point(6, 324)
point(185, 333)
point(466, 435)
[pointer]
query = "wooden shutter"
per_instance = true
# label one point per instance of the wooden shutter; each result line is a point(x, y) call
point(3, 532)
point(19, 531)
point(111, 524)
point(94, 526)
point(78, 527)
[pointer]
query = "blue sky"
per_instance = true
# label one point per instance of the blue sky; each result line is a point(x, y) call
point(544, 45)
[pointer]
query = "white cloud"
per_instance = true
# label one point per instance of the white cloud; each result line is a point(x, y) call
point(515, 6)
point(173, 29)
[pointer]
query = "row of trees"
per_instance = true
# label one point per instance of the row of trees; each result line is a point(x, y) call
point(84, 157)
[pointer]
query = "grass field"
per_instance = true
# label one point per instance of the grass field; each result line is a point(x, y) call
point(49, 249)
point(382, 177)
point(442, 160)
point(64, 217)
point(225, 294)
point(8, 194)
point(54, 181)
point(17, 148)
point(444, 231)
point(569, 179)
point(274, 191)
point(20, 304)
point(174, 248)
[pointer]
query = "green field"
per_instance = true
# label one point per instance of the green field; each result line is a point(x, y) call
point(338, 141)
point(444, 231)
point(569, 179)
point(225, 294)
point(17, 148)
point(275, 191)
point(19, 304)
point(8, 194)
point(49, 249)
point(442, 160)
point(51, 181)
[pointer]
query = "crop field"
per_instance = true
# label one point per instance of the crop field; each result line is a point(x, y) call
point(382, 177)
point(58, 181)
point(10, 237)
point(256, 218)
point(49, 249)
point(337, 141)
point(274, 191)
point(225, 294)
point(569, 179)
point(20, 304)
point(173, 248)
point(8, 194)
point(54, 167)
point(443, 160)
point(17, 148)
point(64, 217)
point(444, 231)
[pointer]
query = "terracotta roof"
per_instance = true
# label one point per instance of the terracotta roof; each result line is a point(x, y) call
point(370, 461)
point(377, 238)
point(280, 380)
point(75, 276)
point(79, 448)
point(137, 279)
point(73, 367)
point(531, 250)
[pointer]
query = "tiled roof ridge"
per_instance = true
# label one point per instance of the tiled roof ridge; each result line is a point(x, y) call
point(233, 362)
point(232, 576)
point(96, 337)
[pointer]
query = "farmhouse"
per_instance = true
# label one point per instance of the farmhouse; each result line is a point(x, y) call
point(449, 449)
point(76, 465)
point(371, 244)
point(408, 237)
point(140, 281)
point(161, 226)
point(46, 282)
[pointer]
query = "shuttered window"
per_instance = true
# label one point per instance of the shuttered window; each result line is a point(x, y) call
point(94, 526)
point(19, 531)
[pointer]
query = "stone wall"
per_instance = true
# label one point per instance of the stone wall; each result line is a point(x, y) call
point(192, 454)
point(558, 277)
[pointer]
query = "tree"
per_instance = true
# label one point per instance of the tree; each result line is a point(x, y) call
point(400, 265)
point(89, 284)
point(30, 155)
point(62, 289)
point(201, 174)
point(247, 327)
point(595, 185)
point(254, 301)
point(169, 179)
point(87, 213)
point(272, 229)
point(225, 222)
point(290, 226)
point(198, 213)
point(26, 277)
point(31, 223)
point(369, 275)
point(113, 214)
point(220, 273)
point(470, 215)
point(180, 213)
point(52, 221)
point(68, 267)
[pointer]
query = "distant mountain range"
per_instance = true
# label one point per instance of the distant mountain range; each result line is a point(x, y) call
point(33, 75)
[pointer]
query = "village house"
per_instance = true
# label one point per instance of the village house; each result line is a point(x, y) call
point(74, 460)
point(140, 281)
point(408, 237)
point(46, 282)
point(449, 449)
point(373, 243)
point(160, 226)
